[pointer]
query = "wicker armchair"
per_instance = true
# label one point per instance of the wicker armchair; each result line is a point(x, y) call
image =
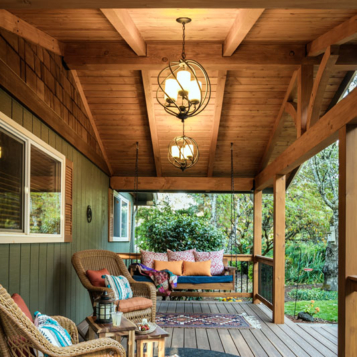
point(19, 336)
point(99, 259)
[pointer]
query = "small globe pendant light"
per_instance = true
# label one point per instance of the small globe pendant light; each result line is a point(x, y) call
point(184, 86)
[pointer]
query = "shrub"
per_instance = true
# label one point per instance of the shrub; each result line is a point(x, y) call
point(313, 294)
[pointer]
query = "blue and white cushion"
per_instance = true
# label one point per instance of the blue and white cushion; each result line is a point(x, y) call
point(120, 285)
point(52, 331)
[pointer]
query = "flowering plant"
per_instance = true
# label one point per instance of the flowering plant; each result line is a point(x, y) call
point(311, 309)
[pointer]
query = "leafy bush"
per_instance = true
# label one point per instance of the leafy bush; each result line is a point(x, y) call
point(177, 230)
point(313, 294)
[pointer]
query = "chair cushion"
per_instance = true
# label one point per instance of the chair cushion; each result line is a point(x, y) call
point(216, 258)
point(174, 267)
point(193, 279)
point(197, 268)
point(95, 277)
point(148, 258)
point(134, 304)
point(186, 255)
point(22, 305)
point(120, 285)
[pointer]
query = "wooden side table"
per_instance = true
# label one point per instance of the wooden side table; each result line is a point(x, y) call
point(126, 328)
point(158, 336)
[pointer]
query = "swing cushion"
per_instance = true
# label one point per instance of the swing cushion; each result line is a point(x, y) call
point(192, 279)
point(216, 258)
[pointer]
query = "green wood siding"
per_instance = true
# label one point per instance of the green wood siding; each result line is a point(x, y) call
point(42, 273)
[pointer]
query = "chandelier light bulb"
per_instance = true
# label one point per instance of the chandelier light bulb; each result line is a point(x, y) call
point(194, 93)
point(171, 88)
point(184, 79)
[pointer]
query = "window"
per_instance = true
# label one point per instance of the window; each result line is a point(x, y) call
point(121, 217)
point(31, 187)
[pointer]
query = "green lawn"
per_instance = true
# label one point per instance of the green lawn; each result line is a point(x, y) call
point(328, 309)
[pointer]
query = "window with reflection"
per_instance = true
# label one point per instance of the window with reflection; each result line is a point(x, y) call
point(121, 218)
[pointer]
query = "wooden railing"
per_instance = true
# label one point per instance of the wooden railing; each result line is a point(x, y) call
point(265, 277)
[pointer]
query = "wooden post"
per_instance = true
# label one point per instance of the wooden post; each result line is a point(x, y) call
point(305, 83)
point(279, 250)
point(347, 264)
point(257, 241)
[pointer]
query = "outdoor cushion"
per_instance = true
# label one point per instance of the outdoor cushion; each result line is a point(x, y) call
point(216, 259)
point(148, 258)
point(174, 267)
point(197, 268)
point(120, 285)
point(193, 279)
point(186, 255)
point(95, 277)
point(22, 305)
point(134, 304)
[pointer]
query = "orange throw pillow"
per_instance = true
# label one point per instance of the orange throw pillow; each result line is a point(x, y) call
point(197, 268)
point(174, 267)
point(22, 305)
point(95, 277)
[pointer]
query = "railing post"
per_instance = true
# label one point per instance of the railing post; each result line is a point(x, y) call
point(279, 250)
point(257, 241)
point(347, 262)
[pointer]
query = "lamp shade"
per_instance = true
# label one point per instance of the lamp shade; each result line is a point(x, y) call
point(171, 89)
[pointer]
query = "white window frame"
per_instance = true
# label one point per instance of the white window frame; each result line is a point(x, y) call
point(122, 199)
point(29, 139)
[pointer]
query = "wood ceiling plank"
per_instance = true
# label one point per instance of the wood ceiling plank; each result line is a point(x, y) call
point(123, 23)
point(339, 35)
point(245, 20)
point(305, 82)
point(320, 83)
point(91, 119)
point(23, 29)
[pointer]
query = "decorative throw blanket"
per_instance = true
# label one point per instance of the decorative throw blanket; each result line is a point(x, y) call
point(164, 280)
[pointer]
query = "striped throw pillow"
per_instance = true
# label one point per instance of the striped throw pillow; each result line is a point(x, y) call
point(120, 285)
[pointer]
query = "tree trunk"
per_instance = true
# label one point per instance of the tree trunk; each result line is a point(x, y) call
point(214, 210)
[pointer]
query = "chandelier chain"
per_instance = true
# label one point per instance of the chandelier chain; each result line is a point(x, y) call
point(183, 41)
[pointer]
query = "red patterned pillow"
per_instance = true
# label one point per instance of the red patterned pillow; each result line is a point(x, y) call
point(217, 267)
point(148, 258)
point(186, 255)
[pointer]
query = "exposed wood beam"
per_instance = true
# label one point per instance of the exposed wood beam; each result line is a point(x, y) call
point(291, 177)
point(152, 121)
point(15, 85)
point(320, 83)
point(245, 20)
point(23, 29)
point(123, 23)
point(187, 184)
point(305, 83)
point(279, 124)
point(319, 136)
point(290, 108)
point(339, 35)
point(179, 4)
point(91, 119)
point(221, 84)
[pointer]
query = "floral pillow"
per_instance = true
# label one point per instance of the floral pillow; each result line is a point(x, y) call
point(186, 255)
point(216, 258)
point(148, 258)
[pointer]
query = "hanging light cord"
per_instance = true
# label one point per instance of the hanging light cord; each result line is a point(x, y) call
point(183, 55)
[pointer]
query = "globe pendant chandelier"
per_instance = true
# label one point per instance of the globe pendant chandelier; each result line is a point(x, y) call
point(183, 151)
point(184, 86)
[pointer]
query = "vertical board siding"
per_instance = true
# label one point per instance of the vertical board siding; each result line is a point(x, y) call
point(43, 273)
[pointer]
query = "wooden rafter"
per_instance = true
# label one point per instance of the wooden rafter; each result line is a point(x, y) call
point(339, 35)
point(123, 23)
point(279, 123)
point(320, 83)
point(23, 29)
point(195, 184)
point(322, 134)
point(91, 119)
point(221, 83)
point(152, 121)
point(245, 20)
point(305, 82)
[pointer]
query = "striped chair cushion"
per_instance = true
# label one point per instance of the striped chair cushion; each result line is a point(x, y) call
point(120, 285)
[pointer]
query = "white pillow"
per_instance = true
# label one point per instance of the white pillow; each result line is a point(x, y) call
point(120, 285)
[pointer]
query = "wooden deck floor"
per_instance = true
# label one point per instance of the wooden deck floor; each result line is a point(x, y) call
point(288, 340)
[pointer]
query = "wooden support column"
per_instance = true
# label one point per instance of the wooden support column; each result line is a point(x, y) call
point(257, 241)
point(347, 263)
point(279, 250)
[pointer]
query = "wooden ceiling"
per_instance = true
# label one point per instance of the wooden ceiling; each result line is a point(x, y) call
point(255, 104)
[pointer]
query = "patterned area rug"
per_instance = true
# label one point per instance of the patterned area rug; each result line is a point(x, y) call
point(201, 320)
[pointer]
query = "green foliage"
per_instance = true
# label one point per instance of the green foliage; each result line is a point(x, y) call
point(311, 309)
point(164, 229)
point(313, 294)
point(328, 309)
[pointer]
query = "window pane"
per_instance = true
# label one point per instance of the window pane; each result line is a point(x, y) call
point(11, 182)
point(116, 217)
point(45, 193)
point(124, 219)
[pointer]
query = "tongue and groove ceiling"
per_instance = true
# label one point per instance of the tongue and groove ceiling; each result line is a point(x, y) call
point(246, 100)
